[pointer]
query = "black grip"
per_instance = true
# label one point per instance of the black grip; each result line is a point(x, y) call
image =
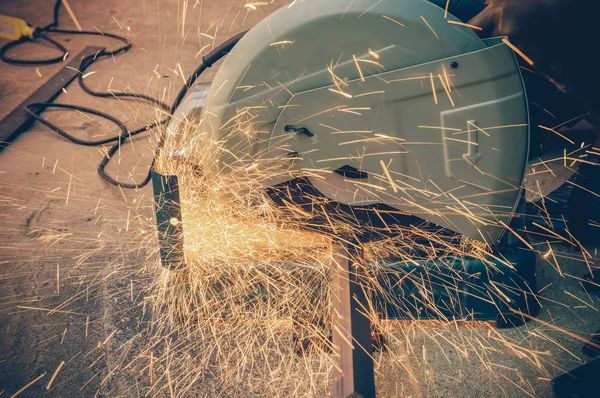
point(167, 206)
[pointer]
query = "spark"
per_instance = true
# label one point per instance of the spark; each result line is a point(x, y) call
point(430, 28)
point(447, 79)
point(470, 123)
point(369, 93)
point(387, 137)
point(254, 5)
point(580, 300)
point(340, 92)
point(464, 24)
point(516, 50)
point(393, 20)
point(336, 80)
point(117, 22)
point(283, 42)
point(181, 72)
point(433, 89)
point(68, 189)
point(389, 177)
point(557, 133)
point(370, 8)
point(551, 252)
point(439, 128)
point(583, 188)
point(32, 382)
point(446, 89)
point(362, 78)
point(72, 14)
point(525, 242)
point(406, 79)
point(54, 375)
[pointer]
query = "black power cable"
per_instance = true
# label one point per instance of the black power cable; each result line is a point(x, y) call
point(35, 109)
point(16, 61)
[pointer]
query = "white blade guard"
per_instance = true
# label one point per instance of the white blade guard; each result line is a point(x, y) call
point(434, 118)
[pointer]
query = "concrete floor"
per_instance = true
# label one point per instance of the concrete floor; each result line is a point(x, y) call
point(73, 277)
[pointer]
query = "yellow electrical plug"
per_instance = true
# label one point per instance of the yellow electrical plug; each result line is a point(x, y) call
point(14, 28)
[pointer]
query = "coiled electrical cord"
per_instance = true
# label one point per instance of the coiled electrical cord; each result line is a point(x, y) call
point(34, 110)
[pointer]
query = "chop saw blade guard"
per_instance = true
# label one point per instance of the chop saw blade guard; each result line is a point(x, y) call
point(397, 105)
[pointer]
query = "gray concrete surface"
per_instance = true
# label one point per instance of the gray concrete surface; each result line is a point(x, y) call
point(73, 271)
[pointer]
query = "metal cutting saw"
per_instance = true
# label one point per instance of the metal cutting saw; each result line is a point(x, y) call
point(372, 103)
point(384, 113)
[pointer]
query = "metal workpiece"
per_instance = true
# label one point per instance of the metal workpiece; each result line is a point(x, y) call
point(353, 372)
